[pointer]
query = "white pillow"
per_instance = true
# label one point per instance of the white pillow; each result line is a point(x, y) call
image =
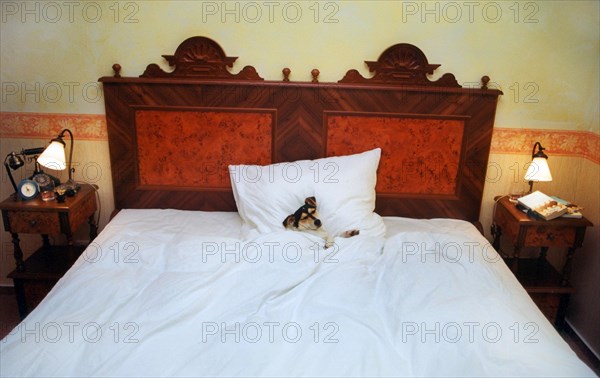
point(346, 197)
point(266, 194)
point(344, 187)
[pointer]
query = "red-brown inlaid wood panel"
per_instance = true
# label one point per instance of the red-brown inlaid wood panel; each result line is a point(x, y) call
point(194, 148)
point(418, 155)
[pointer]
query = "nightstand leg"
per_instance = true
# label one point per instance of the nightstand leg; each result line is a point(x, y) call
point(542, 257)
point(567, 268)
point(559, 323)
point(497, 233)
point(18, 253)
point(21, 301)
point(514, 266)
point(543, 253)
point(46, 241)
point(70, 242)
point(93, 228)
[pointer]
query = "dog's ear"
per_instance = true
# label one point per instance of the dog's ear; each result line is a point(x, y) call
point(311, 201)
point(288, 221)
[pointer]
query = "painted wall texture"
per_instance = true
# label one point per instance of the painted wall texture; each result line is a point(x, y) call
point(542, 54)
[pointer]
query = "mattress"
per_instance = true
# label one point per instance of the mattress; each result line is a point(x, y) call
point(185, 293)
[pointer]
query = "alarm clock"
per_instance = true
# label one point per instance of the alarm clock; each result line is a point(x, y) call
point(28, 189)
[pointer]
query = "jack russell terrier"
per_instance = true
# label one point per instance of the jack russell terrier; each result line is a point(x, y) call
point(306, 218)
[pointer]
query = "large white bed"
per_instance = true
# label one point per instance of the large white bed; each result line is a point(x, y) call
point(181, 293)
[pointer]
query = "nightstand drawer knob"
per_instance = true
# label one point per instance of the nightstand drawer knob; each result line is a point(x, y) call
point(550, 237)
point(32, 222)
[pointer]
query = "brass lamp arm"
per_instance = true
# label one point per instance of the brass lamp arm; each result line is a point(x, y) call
point(61, 135)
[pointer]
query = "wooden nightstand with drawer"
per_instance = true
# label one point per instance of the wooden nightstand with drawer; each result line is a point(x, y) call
point(539, 278)
point(35, 276)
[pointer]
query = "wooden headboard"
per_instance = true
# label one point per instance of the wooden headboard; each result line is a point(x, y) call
point(173, 134)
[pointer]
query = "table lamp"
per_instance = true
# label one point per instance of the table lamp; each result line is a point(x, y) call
point(538, 169)
point(54, 157)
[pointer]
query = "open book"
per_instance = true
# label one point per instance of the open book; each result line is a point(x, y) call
point(542, 206)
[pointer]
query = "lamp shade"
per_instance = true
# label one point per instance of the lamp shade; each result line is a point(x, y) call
point(538, 170)
point(53, 156)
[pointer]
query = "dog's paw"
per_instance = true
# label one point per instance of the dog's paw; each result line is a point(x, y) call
point(350, 233)
point(329, 244)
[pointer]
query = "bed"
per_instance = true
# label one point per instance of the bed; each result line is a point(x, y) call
point(196, 276)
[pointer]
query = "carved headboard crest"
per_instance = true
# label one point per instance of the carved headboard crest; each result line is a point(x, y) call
point(402, 63)
point(201, 57)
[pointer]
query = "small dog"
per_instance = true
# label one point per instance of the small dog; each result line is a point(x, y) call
point(306, 218)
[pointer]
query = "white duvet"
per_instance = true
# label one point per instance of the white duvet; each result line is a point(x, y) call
point(176, 293)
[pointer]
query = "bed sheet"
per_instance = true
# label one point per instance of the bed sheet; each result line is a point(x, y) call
point(179, 293)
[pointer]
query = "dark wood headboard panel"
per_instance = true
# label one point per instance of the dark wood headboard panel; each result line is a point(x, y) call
point(172, 134)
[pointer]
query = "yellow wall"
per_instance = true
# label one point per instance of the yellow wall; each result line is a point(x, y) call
point(542, 54)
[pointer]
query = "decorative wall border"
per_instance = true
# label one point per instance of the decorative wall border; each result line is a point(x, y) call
point(49, 125)
point(504, 140)
point(557, 142)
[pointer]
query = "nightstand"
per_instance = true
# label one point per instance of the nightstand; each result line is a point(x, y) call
point(34, 277)
point(539, 278)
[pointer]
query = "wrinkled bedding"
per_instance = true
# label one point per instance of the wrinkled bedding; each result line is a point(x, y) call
point(181, 293)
